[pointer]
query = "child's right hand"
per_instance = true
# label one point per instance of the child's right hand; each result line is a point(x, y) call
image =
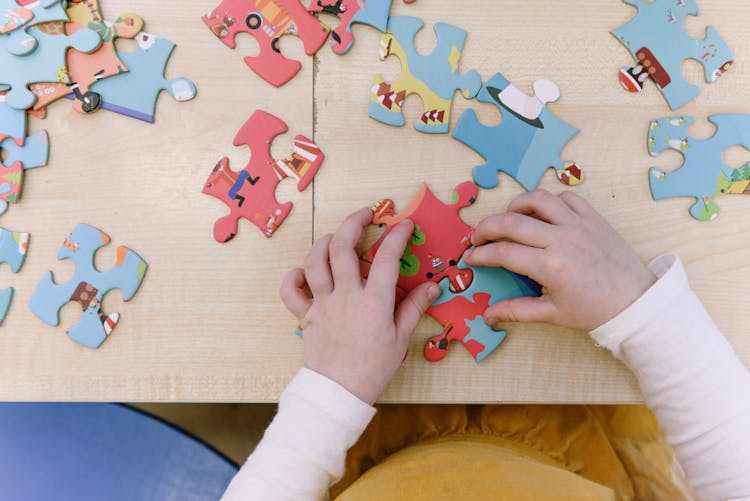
point(589, 273)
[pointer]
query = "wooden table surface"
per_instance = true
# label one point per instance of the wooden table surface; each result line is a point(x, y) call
point(208, 325)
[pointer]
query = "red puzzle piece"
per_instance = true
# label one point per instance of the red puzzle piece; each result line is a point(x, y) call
point(436, 348)
point(440, 238)
point(251, 192)
point(267, 21)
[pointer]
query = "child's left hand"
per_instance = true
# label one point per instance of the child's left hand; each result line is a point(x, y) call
point(354, 333)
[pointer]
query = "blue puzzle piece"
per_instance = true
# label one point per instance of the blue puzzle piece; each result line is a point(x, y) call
point(526, 143)
point(461, 314)
point(135, 92)
point(12, 121)
point(657, 40)
point(703, 174)
point(435, 77)
point(20, 42)
point(32, 154)
point(88, 286)
point(42, 65)
point(13, 247)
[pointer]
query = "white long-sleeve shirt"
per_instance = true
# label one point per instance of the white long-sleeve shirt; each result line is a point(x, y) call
point(688, 373)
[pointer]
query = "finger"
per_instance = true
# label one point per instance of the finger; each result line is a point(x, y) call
point(387, 263)
point(513, 256)
point(293, 293)
point(544, 205)
point(513, 226)
point(521, 309)
point(411, 309)
point(578, 204)
point(344, 259)
point(317, 269)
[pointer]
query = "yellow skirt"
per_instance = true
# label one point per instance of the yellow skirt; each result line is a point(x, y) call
point(477, 452)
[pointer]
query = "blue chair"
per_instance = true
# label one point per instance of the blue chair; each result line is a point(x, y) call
point(103, 452)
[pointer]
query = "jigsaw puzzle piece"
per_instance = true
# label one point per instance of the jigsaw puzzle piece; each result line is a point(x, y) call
point(373, 13)
point(461, 314)
point(435, 78)
point(12, 121)
point(439, 239)
point(526, 143)
point(42, 65)
point(86, 69)
point(20, 42)
point(32, 152)
point(267, 21)
point(251, 192)
point(135, 92)
point(88, 286)
point(703, 174)
point(657, 40)
point(13, 248)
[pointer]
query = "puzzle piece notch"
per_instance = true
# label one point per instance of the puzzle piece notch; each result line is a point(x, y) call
point(251, 192)
point(267, 21)
point(86, 69)
point(703, 174)
point(439, 239)
point(13, 248)
point(526, 143)
point(88, 286)
point(134, 93)
point(19, 42)
point(461, 314)
point(43, 64)
point(435, 78)
point(373, 13)
point(657, 40)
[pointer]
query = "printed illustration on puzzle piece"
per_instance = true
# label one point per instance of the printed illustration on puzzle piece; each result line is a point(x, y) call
point(267, 21)
point(251, 192)
point(13, 248)
point(88, 286)
point(134, 93)
point(703, 174)
point(16, 16)
point(86, 69)
point(526, 143)
point(47, 63)
point(657, 40)
point(461, 314)
point(435, 78)
point(373, 13)
point(439, 239)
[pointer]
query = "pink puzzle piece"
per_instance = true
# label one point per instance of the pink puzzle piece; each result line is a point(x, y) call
point(268, 21)
point(251, 192)
point(439, 240)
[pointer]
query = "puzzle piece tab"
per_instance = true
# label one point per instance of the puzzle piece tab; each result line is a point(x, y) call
point(439, 239)
point(435, 78)
point(251, 192)
point(526, 143)
point(45, 64)
point(461, 314)
point(657, 40)
point(373, 13)
point(88, 286)
point(86, 69)
point(13, 247)
point(267, 21)
point(19, 42)
point(703, 174)
point(135, 92)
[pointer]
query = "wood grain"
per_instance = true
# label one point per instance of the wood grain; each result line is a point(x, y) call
point(208, 325)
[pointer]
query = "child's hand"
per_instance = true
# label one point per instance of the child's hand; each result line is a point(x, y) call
point(589, 273)
point(354, 334)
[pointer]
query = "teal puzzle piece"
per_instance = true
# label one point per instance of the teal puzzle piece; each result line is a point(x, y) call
point(703, 175)
point(88, 286)
point(526, 143)
point(33, 151)
point(134, 93)
point(657, 40)
point(13, 247)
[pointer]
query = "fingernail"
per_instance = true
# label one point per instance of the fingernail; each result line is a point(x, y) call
point(433, 292)
point(490, 321)
point(468, 253)
point(406, 222)
point(471, 237)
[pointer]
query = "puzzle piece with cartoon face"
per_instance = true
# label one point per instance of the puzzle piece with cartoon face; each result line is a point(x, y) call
point(373, 13)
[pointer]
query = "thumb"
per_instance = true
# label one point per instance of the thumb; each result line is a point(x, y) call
point(521, 309)
point(411, 309)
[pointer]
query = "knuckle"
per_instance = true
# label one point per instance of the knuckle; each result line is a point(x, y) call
point(388, 254)
point(555, 264)
point(338, 246)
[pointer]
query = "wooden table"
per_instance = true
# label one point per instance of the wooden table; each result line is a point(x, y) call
point(208, 325)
